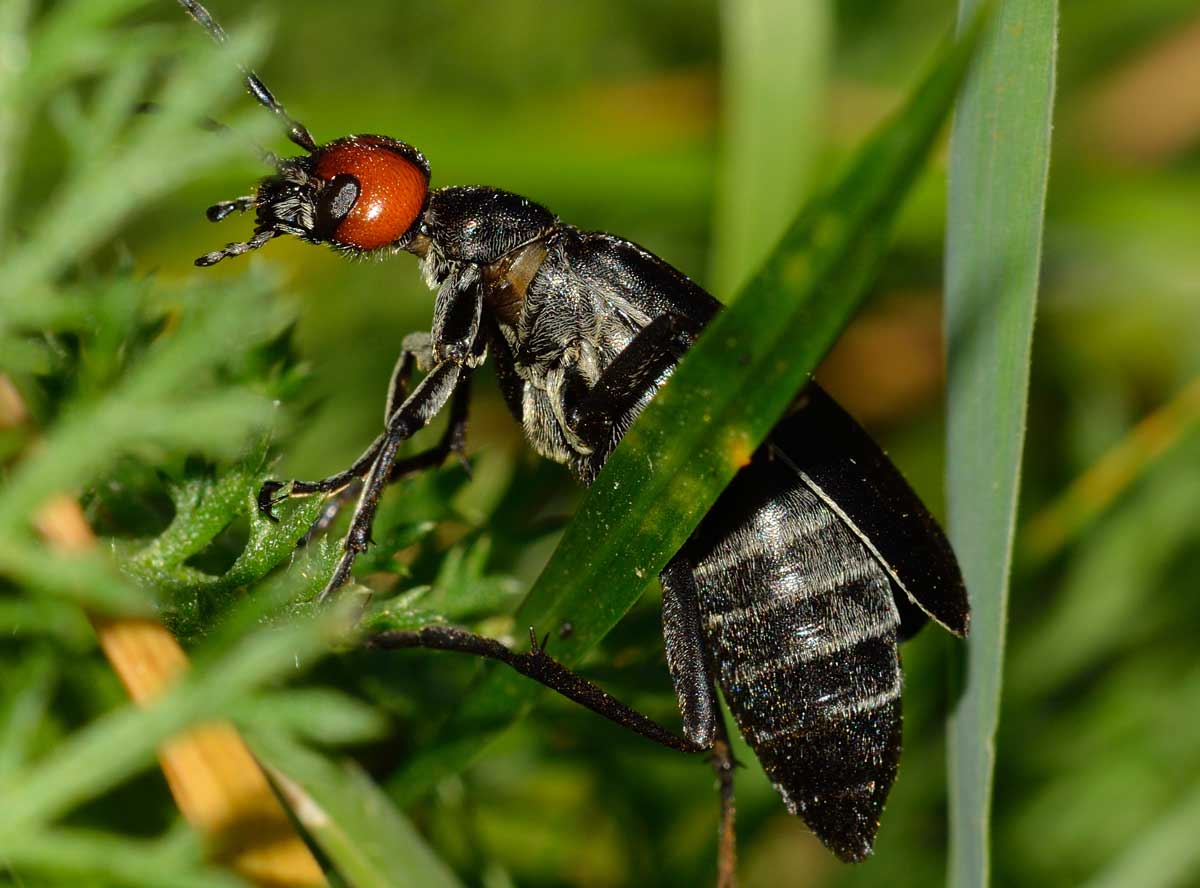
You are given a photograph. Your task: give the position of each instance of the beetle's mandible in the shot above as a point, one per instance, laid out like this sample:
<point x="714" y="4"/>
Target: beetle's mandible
<point x="795" y="590"/>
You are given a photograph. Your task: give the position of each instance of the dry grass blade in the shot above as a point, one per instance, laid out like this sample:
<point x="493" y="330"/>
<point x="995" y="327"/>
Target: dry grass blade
<point x="1057" y="524"/>
<point x="214" y="779"/>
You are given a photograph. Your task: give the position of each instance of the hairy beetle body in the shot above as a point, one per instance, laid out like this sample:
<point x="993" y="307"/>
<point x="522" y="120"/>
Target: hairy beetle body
<point x="795" y="590"/>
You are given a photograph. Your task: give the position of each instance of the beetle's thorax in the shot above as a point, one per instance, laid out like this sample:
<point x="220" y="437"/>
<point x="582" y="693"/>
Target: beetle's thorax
<point x="506" y="281"/>
<point x="560" y="306"/>
<point x="482" y="228"/>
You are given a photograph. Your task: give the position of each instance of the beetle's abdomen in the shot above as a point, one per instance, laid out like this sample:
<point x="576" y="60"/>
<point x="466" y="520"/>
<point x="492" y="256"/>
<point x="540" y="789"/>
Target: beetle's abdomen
<point x="802" y="624"/>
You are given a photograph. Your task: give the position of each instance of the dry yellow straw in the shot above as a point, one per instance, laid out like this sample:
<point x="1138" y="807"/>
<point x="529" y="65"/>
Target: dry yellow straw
<point x="216" y="782"/>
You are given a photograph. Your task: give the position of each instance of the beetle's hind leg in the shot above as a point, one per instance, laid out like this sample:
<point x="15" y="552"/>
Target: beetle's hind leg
<point x="544" y="669"/>
<point x="695" y="690"/>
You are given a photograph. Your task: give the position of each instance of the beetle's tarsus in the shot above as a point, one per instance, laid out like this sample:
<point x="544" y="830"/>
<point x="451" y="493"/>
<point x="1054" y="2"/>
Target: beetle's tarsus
<point x="267" y="499"/>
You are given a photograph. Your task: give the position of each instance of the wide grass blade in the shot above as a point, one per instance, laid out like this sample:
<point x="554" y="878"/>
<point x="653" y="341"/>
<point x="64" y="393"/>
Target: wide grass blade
<point x="1000" y="151"/>
<point x="725" y="396"/>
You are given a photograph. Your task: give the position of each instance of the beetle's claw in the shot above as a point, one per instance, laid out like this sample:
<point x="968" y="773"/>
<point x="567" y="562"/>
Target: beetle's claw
<point x="267" y="499"/>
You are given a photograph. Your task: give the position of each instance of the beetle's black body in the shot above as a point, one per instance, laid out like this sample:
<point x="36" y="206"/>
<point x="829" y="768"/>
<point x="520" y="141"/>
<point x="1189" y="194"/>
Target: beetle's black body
<point x="795" y="590"/>
<point x="798" y="616"/>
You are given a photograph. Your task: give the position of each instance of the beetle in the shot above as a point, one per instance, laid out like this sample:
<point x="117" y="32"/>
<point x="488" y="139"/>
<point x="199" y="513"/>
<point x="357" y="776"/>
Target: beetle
<point x="792" y="594"/>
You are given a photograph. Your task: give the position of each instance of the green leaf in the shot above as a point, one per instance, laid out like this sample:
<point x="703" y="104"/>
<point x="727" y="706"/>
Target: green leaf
<point x="166" y="400"/>
<point x="106" y="186"/>
<point x="354" y="823"/>
<point x="318" y="715"/>
<point x="721" y="402"/>
<point x="203" y="508"/>
<point x="23" y="704"/>
<point x="998" y="171"/>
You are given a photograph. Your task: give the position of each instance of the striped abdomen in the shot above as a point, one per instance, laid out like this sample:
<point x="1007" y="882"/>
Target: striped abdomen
<point x="802" y="627"/>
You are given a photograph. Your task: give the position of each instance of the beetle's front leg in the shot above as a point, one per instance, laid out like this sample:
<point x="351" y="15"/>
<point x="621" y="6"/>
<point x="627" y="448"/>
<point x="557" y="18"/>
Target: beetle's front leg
<point x="457" y="347"/>
<point x="415" y="353"/>
<point x="601" y="415"/>
<point x="457" y="318"/>
<point x="414" y="414"/>
<point x="452" y="442"/>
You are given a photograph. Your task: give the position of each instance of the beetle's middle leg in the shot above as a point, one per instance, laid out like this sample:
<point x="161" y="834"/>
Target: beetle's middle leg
<point x="692" y="673"/>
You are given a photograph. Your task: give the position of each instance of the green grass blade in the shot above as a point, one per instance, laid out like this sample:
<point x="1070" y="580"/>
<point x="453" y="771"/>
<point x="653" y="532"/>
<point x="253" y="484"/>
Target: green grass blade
<point x="370" y="843"/>
<point x="999" y="164"/>
<point x="725" y="396"/>
<point x="774" y="57"/>
<point x="23" y="709"/>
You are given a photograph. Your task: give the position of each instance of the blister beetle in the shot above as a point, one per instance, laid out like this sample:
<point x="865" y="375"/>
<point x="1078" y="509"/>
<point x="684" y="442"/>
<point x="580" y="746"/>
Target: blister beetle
<point x="795" y="590"/>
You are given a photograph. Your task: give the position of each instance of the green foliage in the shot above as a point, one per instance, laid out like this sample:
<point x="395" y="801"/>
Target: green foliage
<point x="123" y="375"/>
<point x="351" y="819"/>
<point x="161" y="397"/>
<point x="775" y="59"/>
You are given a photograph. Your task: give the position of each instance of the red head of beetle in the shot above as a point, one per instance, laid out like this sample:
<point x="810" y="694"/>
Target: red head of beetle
<point x="357" y="194"/>
<point x="372" y="191"/>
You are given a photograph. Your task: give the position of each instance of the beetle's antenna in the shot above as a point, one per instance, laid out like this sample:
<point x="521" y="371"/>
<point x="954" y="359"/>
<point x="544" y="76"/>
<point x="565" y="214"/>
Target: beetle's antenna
<point x="296" y="131"/>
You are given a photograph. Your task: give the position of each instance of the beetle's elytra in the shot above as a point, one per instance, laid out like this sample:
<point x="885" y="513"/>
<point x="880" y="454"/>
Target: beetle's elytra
<point x="796" y="589"/>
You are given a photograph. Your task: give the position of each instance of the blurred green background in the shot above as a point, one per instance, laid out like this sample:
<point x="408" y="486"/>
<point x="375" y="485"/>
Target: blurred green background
<point x="609" y="113"/>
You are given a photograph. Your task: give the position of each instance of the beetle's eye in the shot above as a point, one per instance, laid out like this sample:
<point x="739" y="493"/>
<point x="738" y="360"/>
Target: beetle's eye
<point x="374" y="192"/>
<point x="334" y="204"/>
